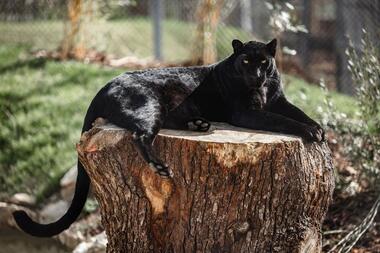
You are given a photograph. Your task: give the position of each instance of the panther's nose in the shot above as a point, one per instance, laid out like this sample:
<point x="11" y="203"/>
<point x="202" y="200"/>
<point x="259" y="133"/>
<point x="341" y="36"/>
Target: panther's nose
<point x="261" y="81"/>
<point x="258" y="73"/>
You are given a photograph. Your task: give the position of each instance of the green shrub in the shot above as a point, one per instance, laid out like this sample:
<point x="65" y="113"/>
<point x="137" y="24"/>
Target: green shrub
<point x="360" y="137"/>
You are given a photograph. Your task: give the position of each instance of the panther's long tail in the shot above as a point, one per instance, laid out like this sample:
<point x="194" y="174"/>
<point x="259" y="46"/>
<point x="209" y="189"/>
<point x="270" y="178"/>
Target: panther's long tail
<point x="46" y="230"/>
<point x="81" y="190"/>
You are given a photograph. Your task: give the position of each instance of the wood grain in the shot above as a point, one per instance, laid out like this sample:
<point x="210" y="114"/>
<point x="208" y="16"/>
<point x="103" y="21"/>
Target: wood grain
<point x="233" y="190"/>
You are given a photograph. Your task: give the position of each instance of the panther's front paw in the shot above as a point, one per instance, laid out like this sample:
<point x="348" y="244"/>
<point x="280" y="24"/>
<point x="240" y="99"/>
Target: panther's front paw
<point x="314" y="133"/>
<point x="198" y="125"/>
<point x="321" y="132"/>
<point x="160" y="169"/>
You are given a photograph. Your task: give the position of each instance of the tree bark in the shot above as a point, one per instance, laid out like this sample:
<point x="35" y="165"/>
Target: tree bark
<point x="233" y="190"/>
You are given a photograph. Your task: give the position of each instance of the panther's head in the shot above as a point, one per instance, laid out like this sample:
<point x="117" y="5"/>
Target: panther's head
<point x="254" y="61"/>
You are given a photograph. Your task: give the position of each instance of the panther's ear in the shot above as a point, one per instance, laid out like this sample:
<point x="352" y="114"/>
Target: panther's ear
<point x="271" y="47"/>
<point x="237" y="45"/>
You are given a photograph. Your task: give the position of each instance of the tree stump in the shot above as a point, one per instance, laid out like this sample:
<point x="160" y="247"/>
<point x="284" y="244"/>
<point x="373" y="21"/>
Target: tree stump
<point x="233" y="190"/>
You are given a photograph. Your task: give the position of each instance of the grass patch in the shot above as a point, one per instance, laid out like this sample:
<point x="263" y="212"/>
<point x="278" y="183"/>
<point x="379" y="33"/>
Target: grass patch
<point x="42" y="105"/>
<point x="41" y="112"/>
<point x="309" y="97"/>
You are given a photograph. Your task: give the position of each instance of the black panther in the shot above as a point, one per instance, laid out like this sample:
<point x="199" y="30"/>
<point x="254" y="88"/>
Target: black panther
<point x="243" y="90"/>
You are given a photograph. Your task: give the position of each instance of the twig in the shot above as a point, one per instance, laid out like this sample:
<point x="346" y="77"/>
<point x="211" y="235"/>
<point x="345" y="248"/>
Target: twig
<point x="331" y="232"/>
<point x="349" y="241"/>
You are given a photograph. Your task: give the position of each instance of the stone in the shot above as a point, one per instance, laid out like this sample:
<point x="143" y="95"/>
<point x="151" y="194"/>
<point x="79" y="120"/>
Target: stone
<point x="70" y="177"/>
<point x="23" y="199"/>
<point x="6" y="217"/>
<point x="67" y="183"/>
<point x="96" y="244"/>
<point x="54" y="211"/>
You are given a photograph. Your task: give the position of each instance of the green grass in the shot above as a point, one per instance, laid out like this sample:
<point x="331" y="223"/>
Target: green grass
<point x="42" y="105"/>
<point x="131" y="36"/>
<point x="41" y="111"/>
<point x="310" y="97"/>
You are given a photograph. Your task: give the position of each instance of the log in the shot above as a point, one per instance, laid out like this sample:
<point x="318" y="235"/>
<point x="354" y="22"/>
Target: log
<point x="232" y="190"/>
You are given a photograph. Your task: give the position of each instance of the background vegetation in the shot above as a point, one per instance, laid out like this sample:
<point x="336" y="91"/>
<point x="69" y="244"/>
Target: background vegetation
<point x="105" y="35"/>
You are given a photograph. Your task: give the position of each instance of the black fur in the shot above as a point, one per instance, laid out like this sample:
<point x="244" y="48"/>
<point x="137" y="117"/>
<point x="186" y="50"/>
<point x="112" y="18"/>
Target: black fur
<point x="243" y="90"/>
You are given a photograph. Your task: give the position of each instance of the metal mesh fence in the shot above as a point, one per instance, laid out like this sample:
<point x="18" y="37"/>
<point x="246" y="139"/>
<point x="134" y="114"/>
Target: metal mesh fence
<point x="167" y="29"/>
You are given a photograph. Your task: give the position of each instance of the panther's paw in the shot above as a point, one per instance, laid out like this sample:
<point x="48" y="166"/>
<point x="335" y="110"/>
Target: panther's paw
<point x="321" y="132"/>
<point x="314" y="134"/>
<point x="160" y="169"/>
<point x="199" y="125"/>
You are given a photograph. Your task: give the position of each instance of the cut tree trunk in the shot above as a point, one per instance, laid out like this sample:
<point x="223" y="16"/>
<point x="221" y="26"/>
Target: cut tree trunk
<point x="233" y="190"/>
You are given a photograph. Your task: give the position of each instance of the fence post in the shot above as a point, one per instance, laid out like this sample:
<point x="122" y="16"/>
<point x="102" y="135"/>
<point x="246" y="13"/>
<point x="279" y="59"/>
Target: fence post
<point x="246" y="15"/>
<point x="157" y="13"/>
<point x="305" y="38"/>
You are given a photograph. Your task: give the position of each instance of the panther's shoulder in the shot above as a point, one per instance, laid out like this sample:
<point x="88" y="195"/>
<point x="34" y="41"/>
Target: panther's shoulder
<point x="189" y="76"/>
<point x="193" y="71"/>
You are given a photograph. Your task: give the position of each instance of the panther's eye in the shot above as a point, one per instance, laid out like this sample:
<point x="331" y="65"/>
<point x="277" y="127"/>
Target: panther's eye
<point x="263" y="61"/>
<point x="245" y="61"/>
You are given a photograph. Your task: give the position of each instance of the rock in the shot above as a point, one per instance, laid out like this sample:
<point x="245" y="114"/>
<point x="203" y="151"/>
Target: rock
<point x="81" y="231"/>
<point x="23" y="199"/>
<point x="71" y="237"/>
<point x="70" y="177"/>
<point x="68" y="183"/>
<point x="96" y="244"/>
<point x="54" y="211"/>
<point x="6" y="210"/>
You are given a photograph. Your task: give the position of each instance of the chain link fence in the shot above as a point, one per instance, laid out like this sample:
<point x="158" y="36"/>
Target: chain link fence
<point x="169" y="30"/>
